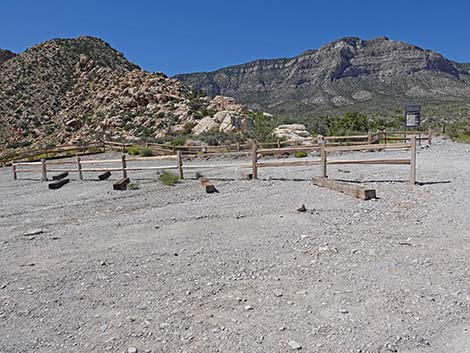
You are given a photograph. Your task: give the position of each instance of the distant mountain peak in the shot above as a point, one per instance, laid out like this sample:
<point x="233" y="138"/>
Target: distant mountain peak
<point x="6" y="55"/>
<point x="349" y="73"/>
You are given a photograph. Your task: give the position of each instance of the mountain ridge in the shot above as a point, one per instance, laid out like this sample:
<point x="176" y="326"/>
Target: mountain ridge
<point x="340" y="76"/>
<point x="79" y="89"/>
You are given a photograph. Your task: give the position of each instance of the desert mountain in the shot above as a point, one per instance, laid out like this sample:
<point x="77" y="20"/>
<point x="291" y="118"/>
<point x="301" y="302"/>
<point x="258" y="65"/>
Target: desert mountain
<point x="5" y="55"/>
<point x="69" y="90"/>
<point x="377" y="75"/>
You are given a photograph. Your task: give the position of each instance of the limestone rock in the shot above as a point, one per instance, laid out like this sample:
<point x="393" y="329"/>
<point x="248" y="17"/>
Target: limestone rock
<point x="293" y="132"/>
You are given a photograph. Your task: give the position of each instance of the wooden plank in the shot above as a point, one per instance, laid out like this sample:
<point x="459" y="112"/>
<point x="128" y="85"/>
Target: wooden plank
<point x="368" y="147"/>
<point x="345" y="188"/>
<point x="347" y="137"/>
<point x="180" y="165"/>
<point x="44" y="171"/>
<point x="323" y="160"/>
<point x="102" y="161"/>
<point x="104" y="176"/>
<point x="207" y="185"/>
<point x="153" y="158"/>
<point x="60" y="176"/>
<point x="289" y="149"/>
<point x="413" y="161"/>
<point x="370" y="161"/>
<point x="216" y="166"/>
<point x="254" y="160"/>
<point x="287" y="164"/>
<point x="58" y="184"/>
<point x="121" y="184"/>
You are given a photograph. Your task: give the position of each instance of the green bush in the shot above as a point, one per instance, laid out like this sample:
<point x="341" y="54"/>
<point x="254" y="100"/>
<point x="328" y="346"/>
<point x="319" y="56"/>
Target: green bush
<point x="300" y="154"/>
<point x="459" y="132"/>
<point x="262" y="128"/>
<point x="146" y="152"/>
<point x="139" y="150"/>
<point x="214" y="137"/>
<point x="133" y="186"/>
<point x="168" y="179"/>
<point x="133" y="150"/>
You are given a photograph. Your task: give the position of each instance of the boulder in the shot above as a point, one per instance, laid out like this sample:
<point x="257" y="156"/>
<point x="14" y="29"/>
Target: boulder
<point x="293" y="132"/>
<point x="231" y="121"/>
<point x="205" y="124"/>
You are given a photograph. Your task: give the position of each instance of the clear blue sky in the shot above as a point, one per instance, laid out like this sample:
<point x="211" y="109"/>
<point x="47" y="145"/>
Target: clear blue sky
<point x="176" y="36"/>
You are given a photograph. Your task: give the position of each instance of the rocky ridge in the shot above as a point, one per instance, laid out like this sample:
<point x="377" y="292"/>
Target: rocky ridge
<point x="72" y="90"/>
<point x="6" y="55"/>
<point x="366" y="75"/>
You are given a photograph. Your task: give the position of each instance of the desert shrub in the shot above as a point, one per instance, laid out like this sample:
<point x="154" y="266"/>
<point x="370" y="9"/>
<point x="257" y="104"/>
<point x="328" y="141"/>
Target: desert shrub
<point x="133" y="186"/>
<point x="179" y="140"/>
<point x="300" y="154"/>
<point x="18" y="144"/>
<point x="262" y="128"/>
<point x="168" y="178"/>
<point x="133" y="150"/>
<point x="139" y="150"/>
<point x="214" y="137"/>
<point x="459" y="132"/>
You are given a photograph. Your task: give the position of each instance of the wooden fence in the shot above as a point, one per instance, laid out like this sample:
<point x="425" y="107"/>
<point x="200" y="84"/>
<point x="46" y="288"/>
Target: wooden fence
<point x="124" y="164"/>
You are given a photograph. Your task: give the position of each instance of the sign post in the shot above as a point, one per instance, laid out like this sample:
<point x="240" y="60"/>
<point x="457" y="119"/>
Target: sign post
<point x="413" y="116"/>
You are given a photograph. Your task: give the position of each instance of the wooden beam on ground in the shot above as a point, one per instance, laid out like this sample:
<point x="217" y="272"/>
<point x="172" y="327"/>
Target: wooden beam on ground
<point x="121" y="184"/>
<point x="60" y="176"/>
<point x="359" y="192"/>
<point x="207" y="185"/>
<point x="58" y="184"/>
<point x="104" y="176"/>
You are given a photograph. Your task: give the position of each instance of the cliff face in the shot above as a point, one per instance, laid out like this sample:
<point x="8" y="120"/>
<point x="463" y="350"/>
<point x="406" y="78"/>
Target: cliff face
<point x="69" y="90"/>
<point x="350" y="73"/>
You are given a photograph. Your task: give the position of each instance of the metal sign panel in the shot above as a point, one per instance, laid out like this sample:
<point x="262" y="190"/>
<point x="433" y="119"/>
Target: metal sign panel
<point x="412" y="115"/>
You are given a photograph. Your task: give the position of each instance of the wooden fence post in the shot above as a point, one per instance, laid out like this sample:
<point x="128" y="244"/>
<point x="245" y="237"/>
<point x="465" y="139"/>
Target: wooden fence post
<point x="43" y="170"/>
<point x="385" y="136"/>
<point x="323" y="172"/>
<point x="369" y="138"/>
<point x="124" y="166"/>
<point x="254" y="162"/>
<point x="238" y="146"/>
<point x="13" y="168"/>
<point x="278" y="143"/>
<point x="180" y="164"/>
<point x="413" y="161"/>
<point x="430" y="136"/>
<point x="123" y="148"/>
<point x="79" y="168"/>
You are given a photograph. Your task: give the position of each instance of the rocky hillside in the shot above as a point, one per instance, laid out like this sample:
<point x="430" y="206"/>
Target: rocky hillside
<point x="69" y="90"/>
<point x="376" y="75"/>
<point x="5" y="55"/>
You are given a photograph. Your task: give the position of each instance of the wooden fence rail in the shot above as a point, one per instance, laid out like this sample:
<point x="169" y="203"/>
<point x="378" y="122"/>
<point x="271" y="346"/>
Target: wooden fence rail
<point x="122" y="165"/>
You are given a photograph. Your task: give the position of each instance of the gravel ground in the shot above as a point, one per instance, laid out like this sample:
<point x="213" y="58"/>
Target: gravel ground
<point x="172" y="269"/>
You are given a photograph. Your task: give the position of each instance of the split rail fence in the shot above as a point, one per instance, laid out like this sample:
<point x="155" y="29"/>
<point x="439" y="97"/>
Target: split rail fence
<point x="124" y="164"/>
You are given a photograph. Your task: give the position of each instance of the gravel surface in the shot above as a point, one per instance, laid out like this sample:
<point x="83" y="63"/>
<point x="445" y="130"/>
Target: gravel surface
<point x="172" y="269"/>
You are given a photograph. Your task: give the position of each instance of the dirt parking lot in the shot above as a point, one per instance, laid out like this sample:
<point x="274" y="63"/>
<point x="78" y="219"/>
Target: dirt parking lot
<point x="172" y="269"/>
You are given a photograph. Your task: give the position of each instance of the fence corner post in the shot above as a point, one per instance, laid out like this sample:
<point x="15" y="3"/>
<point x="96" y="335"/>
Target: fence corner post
<point x="180" y="164"/>
<point x="369" y="138"/>
<point x="413" y="161"/>
<point x="79" y="168"/>
<point x="43" y="170"/>
<point x="124" y="166"/>
<point x="13" y="168"/>
<point x="323" y="172"/>
<point x="254" y="161"/>
<point x="430" y="137"/>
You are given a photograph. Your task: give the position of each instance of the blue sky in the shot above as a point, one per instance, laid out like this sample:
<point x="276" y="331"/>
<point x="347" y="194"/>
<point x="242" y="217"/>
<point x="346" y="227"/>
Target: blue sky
<point x="177" y="36"/>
